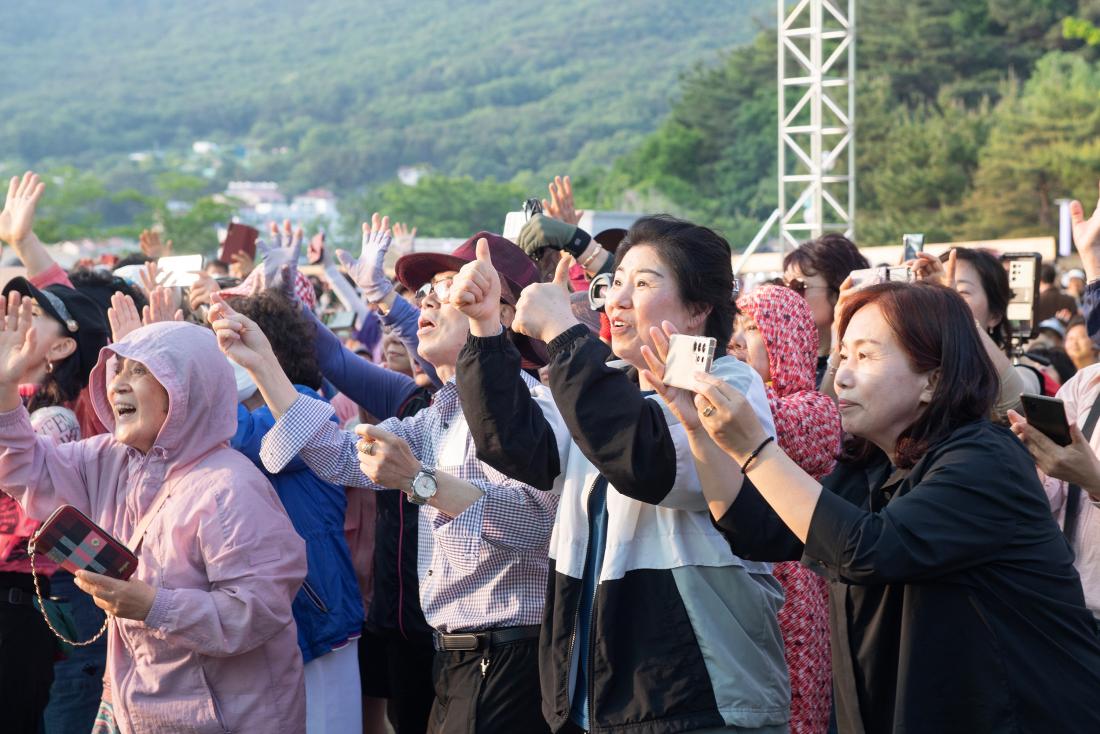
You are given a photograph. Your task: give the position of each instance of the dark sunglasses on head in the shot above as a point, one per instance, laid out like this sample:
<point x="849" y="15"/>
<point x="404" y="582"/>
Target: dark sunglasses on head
<point x="797" y="285"/>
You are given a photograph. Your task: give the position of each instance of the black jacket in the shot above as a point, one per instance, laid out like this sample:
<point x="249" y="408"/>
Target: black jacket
<point x="656" y="626"/>
<point x="954" y="603"/>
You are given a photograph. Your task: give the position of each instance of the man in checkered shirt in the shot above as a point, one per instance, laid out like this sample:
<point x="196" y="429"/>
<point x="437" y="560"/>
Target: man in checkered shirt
<point x="483" y="542"/>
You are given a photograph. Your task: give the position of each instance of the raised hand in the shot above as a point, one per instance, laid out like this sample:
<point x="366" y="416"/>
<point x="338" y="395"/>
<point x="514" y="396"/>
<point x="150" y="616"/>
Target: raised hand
<point x="151" y="245"/>
<point x="1086" y="238"/>
<point x="844" y="293"/>
<point x="727" y="417"/>
<point x="403" y="237"/>
<point x="17" y="218"/>
<point x="18" y="339"/>
<point x="475" y="292"/>
<point x="163" y="306"/>
<point x="123" y="316"/>
<point x="541" y="232"/>
<point x="368" y="271"/>
<point x="279" y="260"/>
<point x="1076" y="463"/>
<point x="241" y="264"/>
<point x="319" y="253"/>
<point x="927" y="267"/>
<point x="386" y="458"/>
<point x="543" y="311"/>
<point x="561" y="205"/>
<point x="240" y="338"/>
<point x="201" y="290"/>
<point x="679" y="401"/>
<point x="151" y="277"/>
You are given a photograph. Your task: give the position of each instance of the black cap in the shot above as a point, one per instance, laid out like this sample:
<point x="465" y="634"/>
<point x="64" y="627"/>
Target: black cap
<point x="79" y="316"/>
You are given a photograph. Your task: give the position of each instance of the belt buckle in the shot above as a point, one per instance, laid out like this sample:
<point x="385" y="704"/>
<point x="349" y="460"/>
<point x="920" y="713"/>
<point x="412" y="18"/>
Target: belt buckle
<point x="462" y="642"/>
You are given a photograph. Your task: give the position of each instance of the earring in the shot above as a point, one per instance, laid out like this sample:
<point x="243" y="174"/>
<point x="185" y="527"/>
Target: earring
<point x="49" y="367"/>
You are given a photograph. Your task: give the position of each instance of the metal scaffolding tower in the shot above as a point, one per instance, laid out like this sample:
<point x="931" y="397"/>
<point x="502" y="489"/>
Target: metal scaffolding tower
<point x="817" y="106"/>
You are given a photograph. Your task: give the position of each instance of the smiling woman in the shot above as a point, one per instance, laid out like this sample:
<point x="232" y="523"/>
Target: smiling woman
<point x="219" y="562"/>
<point x="140" y="404"/>
<point x="951" y="566"/>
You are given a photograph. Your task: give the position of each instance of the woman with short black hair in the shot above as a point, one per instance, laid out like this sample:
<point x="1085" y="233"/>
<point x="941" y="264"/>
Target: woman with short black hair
<point x="815" y="270"/>
<point x="651" y="623"/>
<point x="955" y="604"/>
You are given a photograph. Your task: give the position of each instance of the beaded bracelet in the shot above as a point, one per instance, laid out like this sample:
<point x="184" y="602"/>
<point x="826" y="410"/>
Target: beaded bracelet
<point x="754" y="454"/>
<point x="588" y="260"/>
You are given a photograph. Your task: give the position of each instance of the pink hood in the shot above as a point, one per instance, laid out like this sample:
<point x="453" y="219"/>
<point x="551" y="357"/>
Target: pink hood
<point x="218" y="649"/>
<point x="202" y="391"/>
<point x="807" y="422"/>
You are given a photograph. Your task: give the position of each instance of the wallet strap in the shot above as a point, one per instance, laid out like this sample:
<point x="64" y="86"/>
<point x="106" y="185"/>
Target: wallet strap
<point x="45" y="614"/>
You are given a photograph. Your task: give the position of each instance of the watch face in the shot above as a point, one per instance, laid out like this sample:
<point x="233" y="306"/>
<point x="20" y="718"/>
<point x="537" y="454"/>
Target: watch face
<point x="424" y="485"/>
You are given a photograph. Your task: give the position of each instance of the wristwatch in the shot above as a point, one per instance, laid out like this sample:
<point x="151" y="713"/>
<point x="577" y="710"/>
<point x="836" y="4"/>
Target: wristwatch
<point x="423" y="486"/>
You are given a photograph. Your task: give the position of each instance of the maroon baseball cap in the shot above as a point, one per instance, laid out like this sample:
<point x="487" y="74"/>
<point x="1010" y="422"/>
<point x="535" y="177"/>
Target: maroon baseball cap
<point x="516" y="270"/>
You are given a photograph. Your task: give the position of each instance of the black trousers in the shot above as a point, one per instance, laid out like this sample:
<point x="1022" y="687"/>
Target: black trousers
<point x="27" y="651"/>
<point x="399" y="670"/>
<point x="505" y="698"/>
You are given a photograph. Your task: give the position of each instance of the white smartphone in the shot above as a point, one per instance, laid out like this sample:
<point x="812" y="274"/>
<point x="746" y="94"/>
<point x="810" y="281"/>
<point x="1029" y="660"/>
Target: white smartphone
<point x="686" y="356"/>
<point x="182" y="270"/>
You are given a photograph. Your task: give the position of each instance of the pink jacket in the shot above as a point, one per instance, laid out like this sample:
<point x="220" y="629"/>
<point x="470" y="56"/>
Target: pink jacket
<point x="218" y="650"/>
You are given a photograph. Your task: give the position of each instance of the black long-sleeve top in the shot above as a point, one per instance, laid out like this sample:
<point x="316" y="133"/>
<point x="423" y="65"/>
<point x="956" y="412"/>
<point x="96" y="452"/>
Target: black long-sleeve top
<point x="954" y="604"/>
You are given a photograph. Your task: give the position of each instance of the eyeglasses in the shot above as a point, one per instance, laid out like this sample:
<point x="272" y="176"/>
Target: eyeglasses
<point x="441" y="288"/>
<point x="799" y="286"/>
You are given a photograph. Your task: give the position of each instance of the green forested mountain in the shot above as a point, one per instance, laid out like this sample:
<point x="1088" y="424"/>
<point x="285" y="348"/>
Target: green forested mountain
<point x="340" y="93"/>
<point x="972" y="117"/>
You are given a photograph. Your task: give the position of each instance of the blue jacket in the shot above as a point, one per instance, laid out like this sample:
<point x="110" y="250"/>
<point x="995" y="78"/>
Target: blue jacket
<point x="329" y="608"/>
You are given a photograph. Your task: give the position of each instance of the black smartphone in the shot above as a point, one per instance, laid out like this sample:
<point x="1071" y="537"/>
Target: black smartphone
<point x="1049" y="416"/>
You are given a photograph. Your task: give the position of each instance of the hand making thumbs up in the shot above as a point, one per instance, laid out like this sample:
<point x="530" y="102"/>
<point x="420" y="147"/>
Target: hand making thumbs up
<point x="475" y="292"/>
<point x="543" y="311"/>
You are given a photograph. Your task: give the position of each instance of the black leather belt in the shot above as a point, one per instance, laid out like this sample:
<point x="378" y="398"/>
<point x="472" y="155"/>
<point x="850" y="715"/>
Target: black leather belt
<point x="470" y="641"/>
<point x="17" y="597"/>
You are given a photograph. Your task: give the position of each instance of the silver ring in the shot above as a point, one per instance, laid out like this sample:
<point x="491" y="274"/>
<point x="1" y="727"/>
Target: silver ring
<point x="708" y="411"/>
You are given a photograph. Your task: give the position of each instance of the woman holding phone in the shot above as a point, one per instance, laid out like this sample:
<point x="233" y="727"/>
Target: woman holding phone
<point x="955" y="603"/>
<point x="651" y="622"/>
<point x="201" y="637"/>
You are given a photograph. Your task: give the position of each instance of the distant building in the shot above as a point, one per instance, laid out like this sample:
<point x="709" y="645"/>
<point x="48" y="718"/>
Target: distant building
<point x="411" y="175"/>
<point x="255" y="193"/>
<point x="315" y="204"/>
<point x="204" y="147"/>
<point x="263" y="203"/>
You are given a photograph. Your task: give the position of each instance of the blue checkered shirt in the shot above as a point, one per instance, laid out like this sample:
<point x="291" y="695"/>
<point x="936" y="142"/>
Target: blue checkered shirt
<point x="485" y="568"/>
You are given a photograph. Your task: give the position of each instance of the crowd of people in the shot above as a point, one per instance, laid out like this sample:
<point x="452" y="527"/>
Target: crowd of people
<point x="488" y="505"/>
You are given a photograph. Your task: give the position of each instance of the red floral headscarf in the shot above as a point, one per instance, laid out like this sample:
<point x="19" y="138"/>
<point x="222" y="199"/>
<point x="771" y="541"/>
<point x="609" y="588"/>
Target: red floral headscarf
<point x="807" y="422"/>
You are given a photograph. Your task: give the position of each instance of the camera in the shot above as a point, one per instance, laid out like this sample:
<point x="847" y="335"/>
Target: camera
<point x="881" y="274"/>
<point x="531" y="207"/>
<point x="597" y="291"/>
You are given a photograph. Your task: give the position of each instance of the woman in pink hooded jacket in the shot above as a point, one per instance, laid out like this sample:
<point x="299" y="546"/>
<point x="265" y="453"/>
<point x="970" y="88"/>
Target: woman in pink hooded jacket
<point x="777" y="337"/>
<point x="201" y="638"/>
